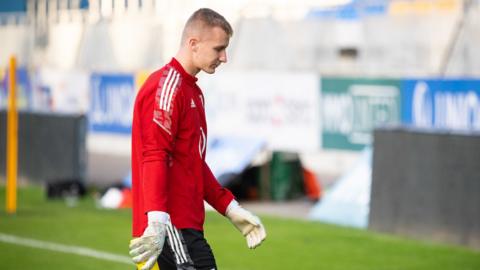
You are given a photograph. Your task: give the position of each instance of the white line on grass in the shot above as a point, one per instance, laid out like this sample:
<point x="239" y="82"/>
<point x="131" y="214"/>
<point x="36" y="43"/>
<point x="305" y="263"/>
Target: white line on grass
<point x="77" y="250"/>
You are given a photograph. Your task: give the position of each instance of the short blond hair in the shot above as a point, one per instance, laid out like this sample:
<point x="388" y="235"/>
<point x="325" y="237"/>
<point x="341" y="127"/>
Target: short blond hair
<point x="206" y="17"/>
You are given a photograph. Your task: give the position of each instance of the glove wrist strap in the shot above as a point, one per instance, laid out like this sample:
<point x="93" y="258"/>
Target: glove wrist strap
<point x="158" y="216"/>
<point x="232" y="206"/>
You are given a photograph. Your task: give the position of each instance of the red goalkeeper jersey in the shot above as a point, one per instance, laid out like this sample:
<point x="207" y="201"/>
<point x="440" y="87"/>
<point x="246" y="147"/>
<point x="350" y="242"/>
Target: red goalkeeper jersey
<point x="169" y="138"/>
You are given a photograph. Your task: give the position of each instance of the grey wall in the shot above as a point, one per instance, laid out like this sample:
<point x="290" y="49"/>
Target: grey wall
<point x="427" y="186"/>
<point x="50" y="147"/>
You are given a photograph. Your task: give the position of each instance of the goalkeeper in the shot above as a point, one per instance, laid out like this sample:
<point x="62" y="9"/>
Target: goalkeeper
<point x="169" y="175"/>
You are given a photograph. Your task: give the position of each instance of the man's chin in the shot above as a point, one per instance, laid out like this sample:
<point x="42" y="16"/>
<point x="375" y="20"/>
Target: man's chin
<point x="209" y="71"/>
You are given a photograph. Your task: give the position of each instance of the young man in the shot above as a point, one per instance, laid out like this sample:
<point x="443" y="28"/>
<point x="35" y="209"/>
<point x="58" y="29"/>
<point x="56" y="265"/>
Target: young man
<point x="169" y="175"/>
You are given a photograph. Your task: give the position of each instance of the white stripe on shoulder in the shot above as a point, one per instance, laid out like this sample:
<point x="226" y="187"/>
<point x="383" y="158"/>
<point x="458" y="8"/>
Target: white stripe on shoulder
<point x="164" y="86"/>
<point x="170" y="88"/>
<point x="169" y="103"/>
<point x="167" y="91"/>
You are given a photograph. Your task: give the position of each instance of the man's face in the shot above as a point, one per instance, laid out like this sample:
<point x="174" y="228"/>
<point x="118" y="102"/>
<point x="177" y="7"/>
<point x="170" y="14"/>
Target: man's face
<point x="211" y="51"/>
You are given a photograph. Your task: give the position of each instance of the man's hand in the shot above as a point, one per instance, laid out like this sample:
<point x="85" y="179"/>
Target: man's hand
<point x="148" y="247"/>
<point x="248" y="224"/>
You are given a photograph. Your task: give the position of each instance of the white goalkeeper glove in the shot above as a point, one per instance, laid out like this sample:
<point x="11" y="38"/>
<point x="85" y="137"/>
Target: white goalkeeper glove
<point x="147" y="248"/>
<point x="248" y="224"/>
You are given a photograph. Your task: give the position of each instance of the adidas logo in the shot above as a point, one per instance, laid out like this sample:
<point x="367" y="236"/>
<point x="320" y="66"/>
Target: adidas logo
<point x="193" y="104"/>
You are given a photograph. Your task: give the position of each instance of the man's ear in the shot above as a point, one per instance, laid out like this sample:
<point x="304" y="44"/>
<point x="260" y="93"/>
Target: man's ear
<point x="193" y="44"/>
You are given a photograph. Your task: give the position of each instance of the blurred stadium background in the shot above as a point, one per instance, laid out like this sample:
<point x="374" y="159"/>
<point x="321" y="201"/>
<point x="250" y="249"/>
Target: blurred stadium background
<point x="363" y="114"/>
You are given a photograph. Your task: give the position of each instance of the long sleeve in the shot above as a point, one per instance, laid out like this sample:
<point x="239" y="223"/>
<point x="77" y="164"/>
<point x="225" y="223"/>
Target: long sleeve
<point x="216" y="195"/>
<point x="159" y="127"/>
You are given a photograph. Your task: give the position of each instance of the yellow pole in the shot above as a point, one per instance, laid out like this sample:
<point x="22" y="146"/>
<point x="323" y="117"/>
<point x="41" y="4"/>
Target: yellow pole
<point x="12" y="140"/>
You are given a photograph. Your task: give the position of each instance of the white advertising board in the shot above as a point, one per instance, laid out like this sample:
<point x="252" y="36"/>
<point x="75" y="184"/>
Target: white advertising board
<point x="280" y="107"/>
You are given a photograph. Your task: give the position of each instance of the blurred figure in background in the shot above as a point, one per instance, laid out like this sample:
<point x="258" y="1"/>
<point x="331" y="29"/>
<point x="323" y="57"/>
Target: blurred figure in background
<point x="170" y="177"/>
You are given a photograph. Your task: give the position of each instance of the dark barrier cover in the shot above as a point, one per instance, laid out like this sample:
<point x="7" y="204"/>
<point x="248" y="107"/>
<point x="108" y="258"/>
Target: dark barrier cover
<point x="51" y="147"/>
<point x="426" y="185"/>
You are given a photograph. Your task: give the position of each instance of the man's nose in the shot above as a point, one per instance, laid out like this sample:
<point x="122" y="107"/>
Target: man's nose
<point x="223" y="57"/>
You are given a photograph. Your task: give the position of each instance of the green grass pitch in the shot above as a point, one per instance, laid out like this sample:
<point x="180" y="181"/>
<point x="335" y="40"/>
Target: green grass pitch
<point x="290" y="244"/>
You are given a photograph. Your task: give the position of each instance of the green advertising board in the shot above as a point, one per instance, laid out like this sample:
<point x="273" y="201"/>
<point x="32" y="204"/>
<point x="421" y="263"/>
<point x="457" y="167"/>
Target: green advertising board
<point x="352" y="108"/>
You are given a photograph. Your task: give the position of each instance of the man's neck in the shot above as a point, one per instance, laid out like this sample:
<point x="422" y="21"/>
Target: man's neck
<point x="186" y="63"/>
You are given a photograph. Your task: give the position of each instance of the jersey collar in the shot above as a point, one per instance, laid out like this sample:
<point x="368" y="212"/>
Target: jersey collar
<point x="191" y="79"/>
